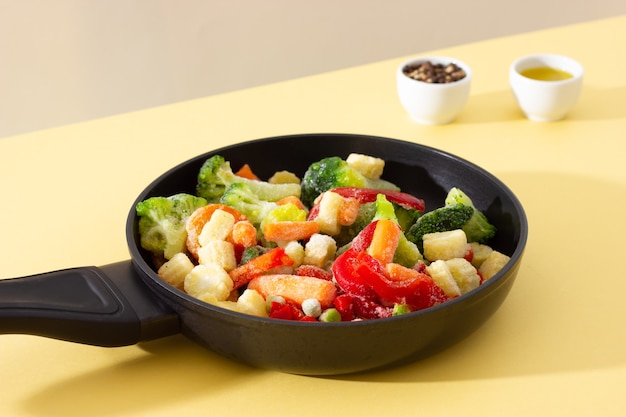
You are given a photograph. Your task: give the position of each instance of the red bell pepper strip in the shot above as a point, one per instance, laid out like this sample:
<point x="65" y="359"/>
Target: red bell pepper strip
<point x="363" y="240"/>
<point x="345" y="306"/>
<point x="281" y="311"/>
<point x="360" y="275"/>
<point x="344" y="267"/>
<point x="368" y="195"/>
<point x="345" y="273"/>
<point x="367" y="309"/>
<point x="285" y="311"/>
<point x="418" y="293"/>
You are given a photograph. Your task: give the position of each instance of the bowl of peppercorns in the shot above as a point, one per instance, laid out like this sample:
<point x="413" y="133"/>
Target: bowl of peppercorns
<point x="433" y="89"/>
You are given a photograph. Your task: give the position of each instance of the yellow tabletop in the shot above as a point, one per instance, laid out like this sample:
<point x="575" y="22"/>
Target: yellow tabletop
<point x="557" y="346"/>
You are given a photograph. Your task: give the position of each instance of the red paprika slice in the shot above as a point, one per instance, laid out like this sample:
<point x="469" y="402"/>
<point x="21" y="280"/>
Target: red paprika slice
<point x="367" y="309"/>
<point x="363" y="240"/>
<point x="368" y="195"/>
<point x="364" y="277"/>
<point x="285" y="311"/>
<point x="345" y="306"/>
<point x="418" y="293"/>
<point x="281" y="311"/>
<point x="345" y="273"/>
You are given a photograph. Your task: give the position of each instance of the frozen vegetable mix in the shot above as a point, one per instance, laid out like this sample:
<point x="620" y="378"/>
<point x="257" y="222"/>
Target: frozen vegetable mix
<point x="340" y="243"/>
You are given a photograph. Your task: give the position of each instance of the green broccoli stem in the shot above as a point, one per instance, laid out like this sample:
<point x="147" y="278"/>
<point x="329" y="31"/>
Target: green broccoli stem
<point x="216" y="175"/>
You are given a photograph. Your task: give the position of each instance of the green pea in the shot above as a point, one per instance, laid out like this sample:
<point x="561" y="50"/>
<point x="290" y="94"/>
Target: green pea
<point x="330" y="315"/>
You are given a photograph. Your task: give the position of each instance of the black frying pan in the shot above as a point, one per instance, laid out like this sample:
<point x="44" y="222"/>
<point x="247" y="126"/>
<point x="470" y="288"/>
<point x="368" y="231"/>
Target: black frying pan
<point x="125" y="303"/>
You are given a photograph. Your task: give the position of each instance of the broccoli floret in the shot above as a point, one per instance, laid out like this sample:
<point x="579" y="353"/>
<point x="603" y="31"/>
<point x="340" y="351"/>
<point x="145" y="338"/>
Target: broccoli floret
<point x="384" y="209"/>
<point x="407" y="253"/>
<point x="458" y="212"/>
<point x="477" y="228"/>
<point x="162" y="222"/>
<point x="333" y="172"/>
<point x="240" y="196"/>
<point x="406" y="217"/>
<point x="442" y="219"/>
<point x="252" y="252"/>
<point x="216" y="175"/>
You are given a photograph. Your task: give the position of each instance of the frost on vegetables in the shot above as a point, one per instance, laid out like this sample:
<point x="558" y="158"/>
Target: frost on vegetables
<point x="340" y="244"/>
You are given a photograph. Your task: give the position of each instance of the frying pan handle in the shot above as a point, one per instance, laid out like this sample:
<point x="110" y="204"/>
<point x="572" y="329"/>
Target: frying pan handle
<point x="103" y="306"/>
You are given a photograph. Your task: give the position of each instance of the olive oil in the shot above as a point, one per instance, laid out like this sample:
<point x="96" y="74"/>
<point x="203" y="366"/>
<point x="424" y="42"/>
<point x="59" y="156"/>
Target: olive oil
<point x="546" y="74"/>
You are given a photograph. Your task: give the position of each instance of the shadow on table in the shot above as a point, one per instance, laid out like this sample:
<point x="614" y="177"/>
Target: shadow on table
<point x="500" y="106"/>
<point x="566" y="309"/>
<point x="165" y="372"/>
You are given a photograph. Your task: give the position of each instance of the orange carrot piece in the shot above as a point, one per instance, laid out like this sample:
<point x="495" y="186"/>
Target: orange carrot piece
<point x="199" y="218"/>
<point x="295" y="288"/>
<point x="384" y="241"/>
<point x="244" y="234"/>
<point x="292" y="199"/>
<point x="348" y="211"/>
<point x="246" y="172"/>
<point x="243" y="274"/>
<point x="288" y="231"/>
<point x="397" y="272"/>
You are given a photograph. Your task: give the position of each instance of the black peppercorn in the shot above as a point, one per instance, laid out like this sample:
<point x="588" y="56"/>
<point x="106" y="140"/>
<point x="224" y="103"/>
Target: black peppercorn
<point x="434" y="73"/>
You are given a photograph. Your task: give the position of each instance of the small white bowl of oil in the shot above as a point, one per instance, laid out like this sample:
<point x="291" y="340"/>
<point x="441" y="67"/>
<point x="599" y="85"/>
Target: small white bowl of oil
<point x="546" y="86"/>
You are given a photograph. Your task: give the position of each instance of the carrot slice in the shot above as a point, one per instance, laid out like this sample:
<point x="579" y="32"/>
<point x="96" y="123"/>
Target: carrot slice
<point x="384" y="241"/>
<point x="295" y="288"/>
<point x="246" y="172"/>
<point x="259" y="265"/>
<point x="292" y="199"/>
<point x="397" y="272"/>
<point x="288" y="231"/>
<point x="348" y="211"/>
<point x="243" y="234"/>
<point x="199" y="218"/>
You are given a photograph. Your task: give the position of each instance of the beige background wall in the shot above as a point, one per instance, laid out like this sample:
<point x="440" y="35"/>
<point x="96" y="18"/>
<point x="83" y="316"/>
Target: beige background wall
<point x="63" y="61"/>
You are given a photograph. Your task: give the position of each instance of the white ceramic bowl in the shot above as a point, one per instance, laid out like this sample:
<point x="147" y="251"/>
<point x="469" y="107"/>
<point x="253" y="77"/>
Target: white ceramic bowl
<point x="433" y="103"/>
<point x="546" y="101"/>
